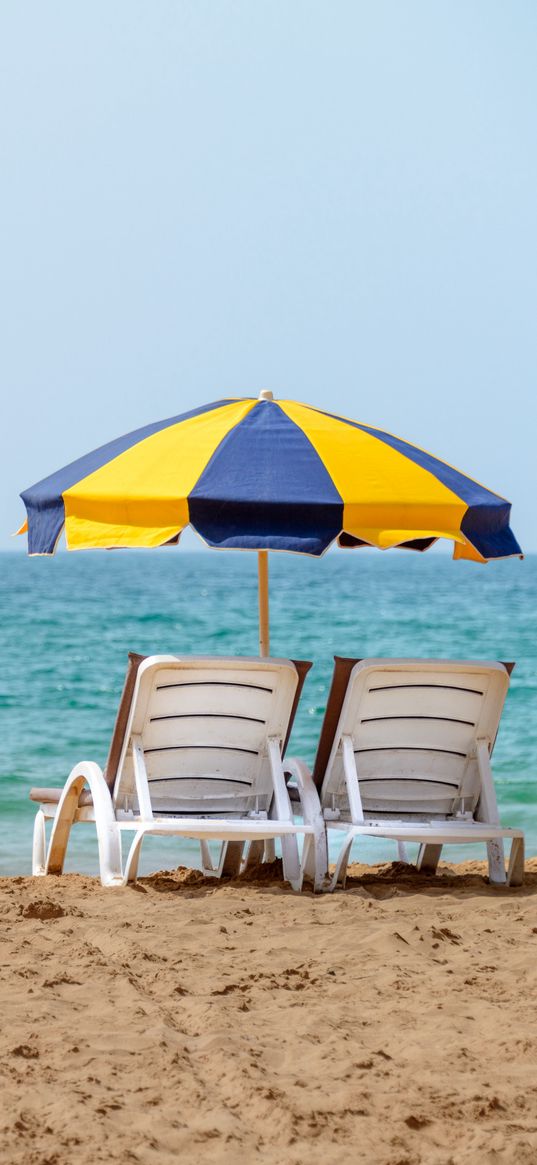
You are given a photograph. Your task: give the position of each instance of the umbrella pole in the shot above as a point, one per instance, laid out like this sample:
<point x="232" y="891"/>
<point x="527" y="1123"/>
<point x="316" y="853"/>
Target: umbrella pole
<point x="262" y="572"/>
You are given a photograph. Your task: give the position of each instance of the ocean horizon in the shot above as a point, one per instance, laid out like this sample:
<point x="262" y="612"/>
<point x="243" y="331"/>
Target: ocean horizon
<point x="68" y="623"/>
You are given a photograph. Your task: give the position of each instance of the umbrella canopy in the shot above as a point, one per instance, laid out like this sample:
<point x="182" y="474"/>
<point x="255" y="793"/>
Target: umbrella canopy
<point x="259" y="474"/>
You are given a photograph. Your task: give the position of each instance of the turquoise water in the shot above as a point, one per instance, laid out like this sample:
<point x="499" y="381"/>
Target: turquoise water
<point x="68" y="622"/>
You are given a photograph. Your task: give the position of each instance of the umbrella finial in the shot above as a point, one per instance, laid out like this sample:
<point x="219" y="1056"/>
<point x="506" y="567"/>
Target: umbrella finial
<point x="265" y="394"/>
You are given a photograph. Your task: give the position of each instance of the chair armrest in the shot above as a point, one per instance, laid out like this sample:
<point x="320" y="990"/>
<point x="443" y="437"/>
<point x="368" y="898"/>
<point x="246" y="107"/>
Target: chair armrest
<point x="50" y="796"/>
<point x="316" y="862"/>
<point x="305" y="793"/>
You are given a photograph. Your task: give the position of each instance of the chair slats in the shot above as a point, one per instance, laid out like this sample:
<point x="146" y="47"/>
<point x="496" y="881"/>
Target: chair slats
<point x="224" y="732"/>
<point x="204" y="726"/>
<point x="414" y="726"/>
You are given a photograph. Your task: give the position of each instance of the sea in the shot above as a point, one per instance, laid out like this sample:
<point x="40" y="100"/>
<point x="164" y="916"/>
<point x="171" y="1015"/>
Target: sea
<point x="68" y="622"/>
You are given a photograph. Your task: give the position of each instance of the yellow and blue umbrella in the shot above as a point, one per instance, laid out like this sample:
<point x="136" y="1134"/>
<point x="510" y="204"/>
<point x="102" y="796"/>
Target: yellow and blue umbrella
<point x="259" y="474"/>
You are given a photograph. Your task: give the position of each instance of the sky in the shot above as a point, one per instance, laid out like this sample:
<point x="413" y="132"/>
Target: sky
<point x="335" y="200"/>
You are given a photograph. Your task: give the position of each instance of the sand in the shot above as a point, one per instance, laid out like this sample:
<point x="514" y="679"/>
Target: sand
<point x="394" y="1023"/>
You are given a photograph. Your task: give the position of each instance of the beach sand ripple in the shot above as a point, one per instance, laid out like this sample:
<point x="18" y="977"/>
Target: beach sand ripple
<point x="187" y="1020"/>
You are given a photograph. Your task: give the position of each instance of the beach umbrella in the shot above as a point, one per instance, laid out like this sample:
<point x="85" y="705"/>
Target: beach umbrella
<point x="260" y="474"/>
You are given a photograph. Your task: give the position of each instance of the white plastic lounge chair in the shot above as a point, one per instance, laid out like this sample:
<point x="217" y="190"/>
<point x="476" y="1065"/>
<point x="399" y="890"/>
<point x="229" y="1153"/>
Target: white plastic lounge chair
<point x="405" y="754"/>
<point x="196" y="752"/>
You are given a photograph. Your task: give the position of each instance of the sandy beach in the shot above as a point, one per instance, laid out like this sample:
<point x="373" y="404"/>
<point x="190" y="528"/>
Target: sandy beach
<point x="393" y="1023"/>
<point x="268" y="582"/>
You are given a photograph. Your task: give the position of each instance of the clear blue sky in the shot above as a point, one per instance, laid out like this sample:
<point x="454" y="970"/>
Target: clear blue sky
<point x="333" y="200"/>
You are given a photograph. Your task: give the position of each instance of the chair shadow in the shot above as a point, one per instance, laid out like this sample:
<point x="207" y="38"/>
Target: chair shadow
<point x="379" y="881"/>
<point x="383" y="881"/>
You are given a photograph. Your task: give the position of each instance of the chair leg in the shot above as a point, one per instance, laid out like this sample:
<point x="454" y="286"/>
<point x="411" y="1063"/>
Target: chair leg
<point x="206" y="860"/>
<point x="254" y="855"/>
<point x="39" y="851"/>
<point x="270" y="850"/>
<point x="315" y="859"/>
<point x="230" y="862"/>
<point x="308" y="857"/>
<point x="402" y="852"/>
<point x="515" y="873"/>
<point x="131" y="865"/>
<point x="292" y="870"/>
<point x="110" y="860"/>
<point x="340" y="872"/>
<point x="496" y="860"/>
<point x="428" y="858"/>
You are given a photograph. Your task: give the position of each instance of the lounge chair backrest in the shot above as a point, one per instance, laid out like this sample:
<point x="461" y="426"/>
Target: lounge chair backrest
<point x="414" y="726"/>
<point x="203" y="725"/>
